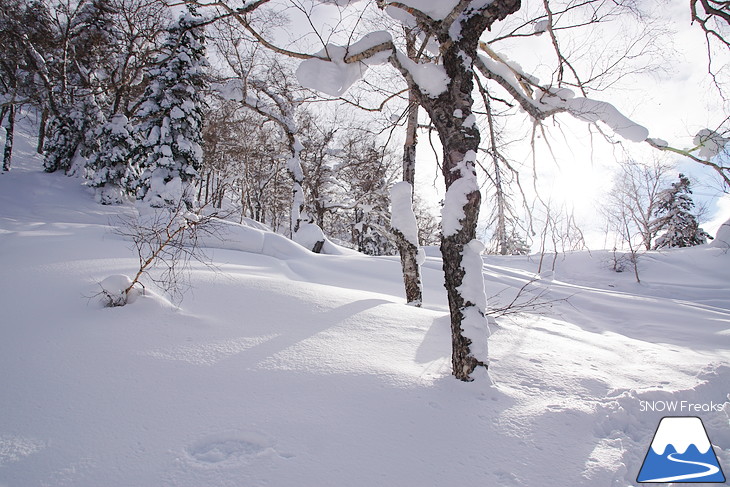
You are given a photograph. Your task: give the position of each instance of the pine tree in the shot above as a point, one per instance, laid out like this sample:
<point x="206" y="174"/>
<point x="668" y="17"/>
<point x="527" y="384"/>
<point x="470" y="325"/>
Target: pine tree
<point x="172" y="117"/>
<point x="110" y="169"/>
<point x="674" y="213"/>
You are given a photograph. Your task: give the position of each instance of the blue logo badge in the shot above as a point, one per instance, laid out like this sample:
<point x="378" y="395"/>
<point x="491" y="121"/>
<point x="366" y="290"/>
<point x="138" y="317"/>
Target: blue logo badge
<point x="680" y="452"/>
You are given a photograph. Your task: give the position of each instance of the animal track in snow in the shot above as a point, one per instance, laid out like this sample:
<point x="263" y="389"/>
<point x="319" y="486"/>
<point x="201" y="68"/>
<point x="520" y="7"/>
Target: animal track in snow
<point x="224" y="450"/>
<point x="231" y="450"/>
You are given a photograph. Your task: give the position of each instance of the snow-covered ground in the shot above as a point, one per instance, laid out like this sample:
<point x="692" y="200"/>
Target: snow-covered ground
<point x="284" y="368"/>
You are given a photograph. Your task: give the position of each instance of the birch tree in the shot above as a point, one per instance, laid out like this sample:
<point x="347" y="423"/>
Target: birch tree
<point x="454" y="33"/>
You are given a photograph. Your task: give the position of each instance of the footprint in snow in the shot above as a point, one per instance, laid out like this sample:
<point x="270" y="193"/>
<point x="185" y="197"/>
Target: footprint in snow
<point x="235" y="450"/>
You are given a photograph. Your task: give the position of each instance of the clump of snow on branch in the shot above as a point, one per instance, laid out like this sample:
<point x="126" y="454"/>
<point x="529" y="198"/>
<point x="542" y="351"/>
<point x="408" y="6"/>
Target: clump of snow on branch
<point x="474" y="324"/>
<point x="590" y="110"/>
<point x="457" y="196"/>
<point x="431" y="78"/>
<point x="658" y="142"/>
<point x="402" y="217"/>
<point x="563" y="99"/>
<point x="437" y="10"/>
<point x="710" y="142"/>
<point x="330" y="74"/>
<point x="541" y="26"/>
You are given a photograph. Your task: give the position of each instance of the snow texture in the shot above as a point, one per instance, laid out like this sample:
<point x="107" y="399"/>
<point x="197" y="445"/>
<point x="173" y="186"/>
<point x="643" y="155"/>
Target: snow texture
<point x="658" y="142"/>
<point x="402" y="217"/>
<point x="582" y="108"/>
<point x="172" y="117"/>
<point x="722" y="239"/>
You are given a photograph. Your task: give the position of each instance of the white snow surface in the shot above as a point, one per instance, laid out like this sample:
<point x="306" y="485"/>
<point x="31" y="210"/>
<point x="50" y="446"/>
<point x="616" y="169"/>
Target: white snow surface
<point x="287" y="368"/>
<point x="585" y="109"/>
<point x="308" y="235"/>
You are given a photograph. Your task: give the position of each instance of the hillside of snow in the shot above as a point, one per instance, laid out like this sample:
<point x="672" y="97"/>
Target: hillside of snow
<point x="285" y="368"/>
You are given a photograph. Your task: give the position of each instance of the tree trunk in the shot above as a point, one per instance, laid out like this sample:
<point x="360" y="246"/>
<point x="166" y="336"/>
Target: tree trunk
<point x="9" y="135"/>
<point x="411" y="270"/>
<point x="294" y="167"/>
<point x="42" y="131"/>
<point x="451" y="114"/>
<point x="408" y="251"/>
<point x="460" y="145"/>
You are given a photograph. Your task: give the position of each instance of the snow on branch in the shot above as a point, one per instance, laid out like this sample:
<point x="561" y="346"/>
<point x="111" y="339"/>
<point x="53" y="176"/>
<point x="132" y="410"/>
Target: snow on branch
<point x="335" y="68"/>
<point x="542" y="102"/>
<point x="592" y="111"/>
<point x="426" y="11"/>
<point x="431" y="79"/>
<point x="709" y="143"/>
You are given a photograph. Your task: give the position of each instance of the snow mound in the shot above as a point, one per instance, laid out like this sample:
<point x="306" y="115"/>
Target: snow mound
<point x="722" y="239"/>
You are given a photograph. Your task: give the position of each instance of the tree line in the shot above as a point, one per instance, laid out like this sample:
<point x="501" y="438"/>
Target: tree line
<point x="127" y="99"/>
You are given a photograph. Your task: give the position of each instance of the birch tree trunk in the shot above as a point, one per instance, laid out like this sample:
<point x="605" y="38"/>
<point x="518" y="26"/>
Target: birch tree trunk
<point x="408" y="251"/>
<point x="9" y="135"/>
<point x="451" y="114"/>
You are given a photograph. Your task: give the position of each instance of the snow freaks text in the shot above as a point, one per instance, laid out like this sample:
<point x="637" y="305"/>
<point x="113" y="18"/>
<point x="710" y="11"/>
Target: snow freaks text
<point x="681" y="406"/>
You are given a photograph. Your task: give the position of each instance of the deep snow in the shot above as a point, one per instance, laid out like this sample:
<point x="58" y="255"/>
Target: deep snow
<point x="285" y="368"/>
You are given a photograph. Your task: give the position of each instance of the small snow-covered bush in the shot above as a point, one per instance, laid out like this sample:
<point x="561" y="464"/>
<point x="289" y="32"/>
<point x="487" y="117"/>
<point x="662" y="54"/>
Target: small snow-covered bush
<point x="117" y="290"/>
<point x="165" y="240"/>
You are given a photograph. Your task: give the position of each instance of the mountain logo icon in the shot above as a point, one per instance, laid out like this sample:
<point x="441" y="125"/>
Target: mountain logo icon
<point x="680" y="452"/>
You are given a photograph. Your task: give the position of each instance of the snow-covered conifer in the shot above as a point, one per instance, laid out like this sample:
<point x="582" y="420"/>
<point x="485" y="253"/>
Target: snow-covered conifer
<point x="72" y="133"/>
<point x="172" y="116"/>
<point x="111" y="170"/>
<point x="674" y="213"/>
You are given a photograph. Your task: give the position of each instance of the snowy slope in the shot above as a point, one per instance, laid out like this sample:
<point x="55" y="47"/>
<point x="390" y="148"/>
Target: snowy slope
<point x="291" y="369"/>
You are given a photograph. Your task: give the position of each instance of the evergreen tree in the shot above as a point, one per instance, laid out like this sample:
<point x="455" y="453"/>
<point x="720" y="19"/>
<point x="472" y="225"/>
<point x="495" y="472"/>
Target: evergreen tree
<point x="72" y="133"/>
<point x="110" y="169"/>
<point x="515" y="244"/>
<point x="172" y="117"/>
<point x="674" y="213"/>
